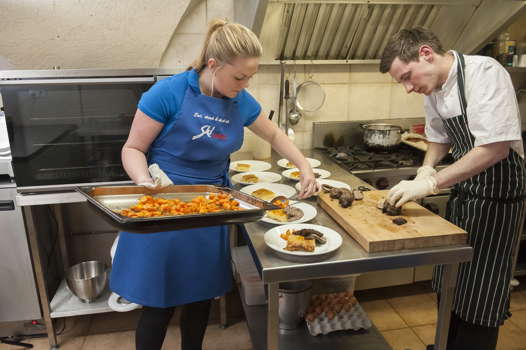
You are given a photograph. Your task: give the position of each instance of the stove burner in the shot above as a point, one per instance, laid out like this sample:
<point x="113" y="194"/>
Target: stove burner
<point x="358" y="157"/>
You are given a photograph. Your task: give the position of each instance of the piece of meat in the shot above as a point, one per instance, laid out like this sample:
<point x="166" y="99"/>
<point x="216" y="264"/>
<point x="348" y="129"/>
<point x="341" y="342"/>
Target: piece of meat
<point x="308" y="231"/>
<point x="358" y="195"/>
<point x="293" y="213"/>
<point x="399" y="221"/>
<point x="391" y="209"/>
<point x="318" y="239"/>
<point x="346" y="198"/>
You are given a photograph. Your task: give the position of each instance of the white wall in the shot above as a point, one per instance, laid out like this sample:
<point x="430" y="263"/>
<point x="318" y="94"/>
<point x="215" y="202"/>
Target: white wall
<point x="40" y="34"/>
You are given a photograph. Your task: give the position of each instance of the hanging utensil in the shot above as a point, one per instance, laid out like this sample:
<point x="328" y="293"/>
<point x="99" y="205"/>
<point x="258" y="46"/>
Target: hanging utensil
<point x="309" y="96"/>
<point x="294" y="114"/>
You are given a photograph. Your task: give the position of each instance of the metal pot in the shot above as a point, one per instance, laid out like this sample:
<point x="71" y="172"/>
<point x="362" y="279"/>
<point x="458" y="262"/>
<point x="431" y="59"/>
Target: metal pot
<point x="382" y="136"/>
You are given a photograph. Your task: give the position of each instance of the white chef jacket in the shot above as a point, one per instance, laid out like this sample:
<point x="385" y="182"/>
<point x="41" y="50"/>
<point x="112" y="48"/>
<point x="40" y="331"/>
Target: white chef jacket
<point x="493" y="112"/>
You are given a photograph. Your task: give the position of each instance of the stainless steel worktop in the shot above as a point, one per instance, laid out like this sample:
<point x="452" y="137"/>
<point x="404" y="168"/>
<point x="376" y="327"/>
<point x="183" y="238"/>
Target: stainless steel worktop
<point x="351" y="257"/>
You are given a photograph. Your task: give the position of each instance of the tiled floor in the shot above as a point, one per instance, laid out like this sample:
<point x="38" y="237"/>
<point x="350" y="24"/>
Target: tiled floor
<point x="406" y="316"/>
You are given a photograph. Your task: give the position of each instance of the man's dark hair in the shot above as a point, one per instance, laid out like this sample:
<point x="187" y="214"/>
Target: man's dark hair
<point x="405" y="45"/>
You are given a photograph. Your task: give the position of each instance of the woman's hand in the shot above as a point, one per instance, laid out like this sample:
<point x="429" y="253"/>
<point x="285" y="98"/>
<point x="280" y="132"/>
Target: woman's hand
<point x="308" y="183"/>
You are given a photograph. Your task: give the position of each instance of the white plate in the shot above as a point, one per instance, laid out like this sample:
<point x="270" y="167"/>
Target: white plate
<point x="278" y="189"/>
<point x="309" y="213"/>
<point x="284" y="163"/>
<point x="263" y="176"/>
<point x="322" y="173"/>
<point x="332" y="183"/>
<point x="255" y="165"/>
<point x="275" y="242"/>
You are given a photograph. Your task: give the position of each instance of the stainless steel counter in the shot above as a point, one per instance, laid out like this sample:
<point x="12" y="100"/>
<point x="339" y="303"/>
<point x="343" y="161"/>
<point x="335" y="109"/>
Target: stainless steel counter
<point x="349" y="259"/>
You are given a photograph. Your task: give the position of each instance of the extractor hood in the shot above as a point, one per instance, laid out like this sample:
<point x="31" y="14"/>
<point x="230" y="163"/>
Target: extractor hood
<point x="320" y="31"/>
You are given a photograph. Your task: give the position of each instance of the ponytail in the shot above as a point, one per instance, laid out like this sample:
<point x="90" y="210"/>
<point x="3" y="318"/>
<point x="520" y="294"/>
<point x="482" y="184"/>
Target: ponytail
<point x="225" y="41"/>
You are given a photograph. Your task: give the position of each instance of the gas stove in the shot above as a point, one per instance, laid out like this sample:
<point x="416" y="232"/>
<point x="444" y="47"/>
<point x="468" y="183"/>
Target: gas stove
<point x="380" y="169"/>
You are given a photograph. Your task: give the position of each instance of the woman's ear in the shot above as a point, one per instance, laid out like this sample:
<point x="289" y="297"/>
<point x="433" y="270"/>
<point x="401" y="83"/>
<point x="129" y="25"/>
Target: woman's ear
<point x="211" y="63"/>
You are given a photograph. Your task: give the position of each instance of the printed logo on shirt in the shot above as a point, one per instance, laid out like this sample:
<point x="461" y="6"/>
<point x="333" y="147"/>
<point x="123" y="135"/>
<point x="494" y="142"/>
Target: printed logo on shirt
<point x="208" y="130"/>
<point x="211" y="118"/>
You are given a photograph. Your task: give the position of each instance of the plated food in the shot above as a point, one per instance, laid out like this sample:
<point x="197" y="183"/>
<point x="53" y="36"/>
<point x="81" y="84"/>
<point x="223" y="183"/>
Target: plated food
<point x="303" y="239"/>
<point x="285" y="163"/>
<point x="308" y="211"/>
<point x="268" y="191"/>
<point x="149" y="206"/>
<point x="285" y="213"/>
<point x="249" y="165"/>
<point x="294" y="173"/>
<point x="255" y="177"/>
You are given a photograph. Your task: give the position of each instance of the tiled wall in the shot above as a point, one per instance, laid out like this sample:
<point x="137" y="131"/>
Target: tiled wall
<point x="354" y="92"/>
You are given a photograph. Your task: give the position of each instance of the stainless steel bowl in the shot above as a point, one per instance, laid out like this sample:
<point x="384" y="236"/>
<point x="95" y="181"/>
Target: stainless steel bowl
<point x="87" y="280"/>
<point x="294" y="299"/>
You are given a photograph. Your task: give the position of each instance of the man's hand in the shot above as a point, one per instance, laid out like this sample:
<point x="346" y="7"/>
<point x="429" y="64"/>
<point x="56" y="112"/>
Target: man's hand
<point x="407" y="191"/>
<point x="425" y="171"/>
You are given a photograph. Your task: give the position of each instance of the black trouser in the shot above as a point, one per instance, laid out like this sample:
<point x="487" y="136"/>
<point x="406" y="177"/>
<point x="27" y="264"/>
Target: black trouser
<point x="464" y="335"/>
<point x="153" y="323"/>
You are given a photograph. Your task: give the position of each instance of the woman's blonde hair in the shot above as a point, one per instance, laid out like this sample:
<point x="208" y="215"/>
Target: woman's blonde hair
<point x="225" y="41"/>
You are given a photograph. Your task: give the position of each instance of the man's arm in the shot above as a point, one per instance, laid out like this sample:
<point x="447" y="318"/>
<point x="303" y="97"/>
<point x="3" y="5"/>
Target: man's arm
<point x="435" y="153"/>
<point x="472" y="163"/>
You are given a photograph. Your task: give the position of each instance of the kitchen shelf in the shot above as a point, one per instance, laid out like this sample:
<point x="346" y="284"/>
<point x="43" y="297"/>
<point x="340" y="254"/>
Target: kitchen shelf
<point x="300" y="338"/>
<point x="65" y="304"/>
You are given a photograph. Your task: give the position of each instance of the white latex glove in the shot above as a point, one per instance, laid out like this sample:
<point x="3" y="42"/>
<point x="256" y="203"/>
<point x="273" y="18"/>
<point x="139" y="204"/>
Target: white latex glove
<point x="425" y="171"/>
<point x="159" y="178"/>
<point x="407" y="191"/>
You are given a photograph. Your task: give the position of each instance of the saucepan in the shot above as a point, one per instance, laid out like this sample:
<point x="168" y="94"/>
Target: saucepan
<point x="381" y="136"/>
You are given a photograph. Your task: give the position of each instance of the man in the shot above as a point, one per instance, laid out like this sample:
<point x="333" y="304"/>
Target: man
<point x="470" y="106"/>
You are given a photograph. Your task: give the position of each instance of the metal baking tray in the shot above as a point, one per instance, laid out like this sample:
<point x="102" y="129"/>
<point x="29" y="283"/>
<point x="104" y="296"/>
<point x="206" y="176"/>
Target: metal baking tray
<point x="107" y="199"/>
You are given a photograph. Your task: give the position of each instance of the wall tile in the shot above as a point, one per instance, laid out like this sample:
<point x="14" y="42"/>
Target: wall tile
<point x="328" y="74"/>
<point x="368" y="101"/>
<point x="404" y="105"/>
<point x="367" y="73"/>
<point x="336" y="104"/>
<point x="268" y="97"/>
<point x="195" y="20"/>
<point x="268" y="75"/>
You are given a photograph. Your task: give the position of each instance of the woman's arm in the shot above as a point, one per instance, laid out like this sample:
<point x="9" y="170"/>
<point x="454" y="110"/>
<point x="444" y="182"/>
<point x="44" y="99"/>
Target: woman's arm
<point x="268" y="131"/>
<point x="142" y="133"/>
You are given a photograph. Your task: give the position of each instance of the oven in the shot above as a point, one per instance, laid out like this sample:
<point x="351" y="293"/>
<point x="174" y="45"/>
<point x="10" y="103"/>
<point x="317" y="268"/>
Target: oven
<point x="68" y="127"/>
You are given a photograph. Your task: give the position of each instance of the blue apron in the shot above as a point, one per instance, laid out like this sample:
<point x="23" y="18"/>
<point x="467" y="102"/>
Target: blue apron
<point x="178" y="267"/>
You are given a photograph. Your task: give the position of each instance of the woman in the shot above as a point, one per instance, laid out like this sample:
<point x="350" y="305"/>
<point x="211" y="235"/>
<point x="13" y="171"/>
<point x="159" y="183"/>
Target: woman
<point x="189" y="124"/>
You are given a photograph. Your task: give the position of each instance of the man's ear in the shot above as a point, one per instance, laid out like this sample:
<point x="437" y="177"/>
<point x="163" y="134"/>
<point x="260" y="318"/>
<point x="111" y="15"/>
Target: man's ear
<point x="426" y="52"/>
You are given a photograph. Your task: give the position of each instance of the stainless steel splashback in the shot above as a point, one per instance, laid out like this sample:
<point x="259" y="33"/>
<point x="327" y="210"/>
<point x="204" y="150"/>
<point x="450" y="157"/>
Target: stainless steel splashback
<point x="350" y="132"/>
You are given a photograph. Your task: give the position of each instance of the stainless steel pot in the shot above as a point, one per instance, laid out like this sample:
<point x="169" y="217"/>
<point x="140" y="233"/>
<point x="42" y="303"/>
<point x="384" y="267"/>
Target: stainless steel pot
<point x="381" y="136"/>
<point x="294" y="298"/>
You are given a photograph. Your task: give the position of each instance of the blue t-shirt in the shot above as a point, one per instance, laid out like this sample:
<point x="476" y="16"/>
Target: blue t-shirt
<point x="164" y="99"/>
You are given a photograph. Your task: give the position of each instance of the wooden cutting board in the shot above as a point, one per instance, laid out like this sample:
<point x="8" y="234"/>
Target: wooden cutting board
<point x="376" y="232"/>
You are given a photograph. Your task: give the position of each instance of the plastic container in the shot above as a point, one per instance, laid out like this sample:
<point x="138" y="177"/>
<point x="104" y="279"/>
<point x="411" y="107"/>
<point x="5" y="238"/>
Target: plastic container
<point x="253" y="288"/>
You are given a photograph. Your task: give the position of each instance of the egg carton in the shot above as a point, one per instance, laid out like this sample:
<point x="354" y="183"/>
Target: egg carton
<point x="354" y="319"/>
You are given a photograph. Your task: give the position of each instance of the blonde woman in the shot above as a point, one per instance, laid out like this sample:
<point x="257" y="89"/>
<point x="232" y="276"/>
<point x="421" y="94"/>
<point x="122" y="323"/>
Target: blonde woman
<point x="188" y="125"/>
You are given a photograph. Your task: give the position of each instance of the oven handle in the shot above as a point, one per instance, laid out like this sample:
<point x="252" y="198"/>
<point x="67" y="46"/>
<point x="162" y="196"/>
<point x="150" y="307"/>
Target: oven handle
<point x="7" y="205"/>
<point x="79" y="81"/>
